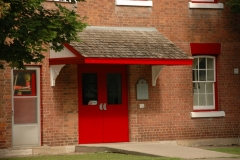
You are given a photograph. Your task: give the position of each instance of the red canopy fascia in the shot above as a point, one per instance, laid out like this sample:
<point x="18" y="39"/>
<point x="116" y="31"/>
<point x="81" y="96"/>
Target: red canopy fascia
<point x="76" y="60"/>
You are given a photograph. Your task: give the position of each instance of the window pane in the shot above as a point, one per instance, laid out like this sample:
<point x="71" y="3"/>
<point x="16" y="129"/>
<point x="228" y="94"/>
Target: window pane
<point x="195" y="87"/>
<point x="202" y="100"/>
<point x="201" y="88"/>
<point x="209" y="63"/>
<point x="195" y="75"/>
<point x="89" y="89"/>
<point x="209" y="87"/>
<point x="24" y="82"/>
<point x="210" y="75"/>
<point x="25" y="110"/>
<point x="210" y="99"/>
<point x="195" y="63"/>
<point x="202" y="75"/>
<point x="195" y="99"/>
<point x="114" y="89"/>
<point x="202" y="63"/>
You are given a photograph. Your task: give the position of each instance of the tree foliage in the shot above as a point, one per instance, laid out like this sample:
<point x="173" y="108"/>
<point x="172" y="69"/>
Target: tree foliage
<point x="27" y="29"/>
<point x="234" y="5"/>
<point x="4" y="8"/>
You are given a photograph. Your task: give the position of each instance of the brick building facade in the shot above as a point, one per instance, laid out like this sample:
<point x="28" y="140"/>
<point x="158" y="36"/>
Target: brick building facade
<point x="167" y="112"/>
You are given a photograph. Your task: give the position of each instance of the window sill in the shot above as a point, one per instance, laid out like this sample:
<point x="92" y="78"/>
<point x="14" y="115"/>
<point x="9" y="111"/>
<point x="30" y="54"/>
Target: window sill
<point x="134" y="3"/>
<point x="205" y="5"/>
<point x="207" y="114"/>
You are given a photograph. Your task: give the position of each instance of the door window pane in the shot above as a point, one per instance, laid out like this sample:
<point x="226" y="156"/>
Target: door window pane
<point x="89" y="89"/>
<point x="114" y="89"/>
<point x="24" y="82"/>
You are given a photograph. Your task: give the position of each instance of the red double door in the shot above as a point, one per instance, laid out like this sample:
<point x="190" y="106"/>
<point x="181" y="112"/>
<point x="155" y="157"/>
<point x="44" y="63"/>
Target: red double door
<point x="103" y="104"/>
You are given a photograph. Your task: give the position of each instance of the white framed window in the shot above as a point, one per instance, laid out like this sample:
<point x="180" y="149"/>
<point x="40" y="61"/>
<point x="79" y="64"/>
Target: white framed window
<point x="147" y="3"/>
<point x="204" y="79"/>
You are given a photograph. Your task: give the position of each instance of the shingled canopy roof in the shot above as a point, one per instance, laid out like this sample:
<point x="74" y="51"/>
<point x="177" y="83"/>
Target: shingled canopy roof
<point x="127" y="45"/>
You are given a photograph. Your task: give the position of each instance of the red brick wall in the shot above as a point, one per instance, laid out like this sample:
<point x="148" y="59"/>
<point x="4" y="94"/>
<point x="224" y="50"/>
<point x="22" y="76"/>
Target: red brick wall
<point x="166" y="115"/>
<point x="60" y="118"/>
<point x="59" y="107"/>
<point x="5" y="108"/>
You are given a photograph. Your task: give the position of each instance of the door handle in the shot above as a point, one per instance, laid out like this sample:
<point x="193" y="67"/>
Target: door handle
<point x="100" y="106"/>
<point x="105" y="106"/>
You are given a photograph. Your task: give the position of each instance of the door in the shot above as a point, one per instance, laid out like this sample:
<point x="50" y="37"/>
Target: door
<point x="26" y="107"/>
<point x="103" y="104"/>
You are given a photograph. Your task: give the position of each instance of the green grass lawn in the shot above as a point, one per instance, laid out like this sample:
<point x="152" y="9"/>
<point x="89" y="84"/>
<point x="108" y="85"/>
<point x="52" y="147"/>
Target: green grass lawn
<point x="230" y="150"/>
<point x="94" y="156"/>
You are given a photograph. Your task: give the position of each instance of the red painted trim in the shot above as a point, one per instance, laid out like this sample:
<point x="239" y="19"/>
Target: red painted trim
<point x="202" y="1"/>
<point x="216" y="84"/>
<point x="74" y="51"/>
<point x="74" y="60"/>
<point x="204" y="110"/>
<point x="33" y="83"/>
<point x="79" y="80"/>
<point x="205" y="48"/>
<point x="41" y="104"/>
<point x="70" y="60"/>
<point x="138" y="61"/>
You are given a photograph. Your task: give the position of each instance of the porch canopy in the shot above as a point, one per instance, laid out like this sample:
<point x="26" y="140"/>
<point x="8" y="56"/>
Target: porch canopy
<point x="120" y="45"/>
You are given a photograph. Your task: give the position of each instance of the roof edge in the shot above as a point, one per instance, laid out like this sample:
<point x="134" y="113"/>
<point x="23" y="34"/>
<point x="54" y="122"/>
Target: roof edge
<point x="122" y="28"/>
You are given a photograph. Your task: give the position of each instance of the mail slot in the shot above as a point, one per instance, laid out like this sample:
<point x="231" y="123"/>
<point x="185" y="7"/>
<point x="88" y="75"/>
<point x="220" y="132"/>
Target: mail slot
<point x="142" y="90"/>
